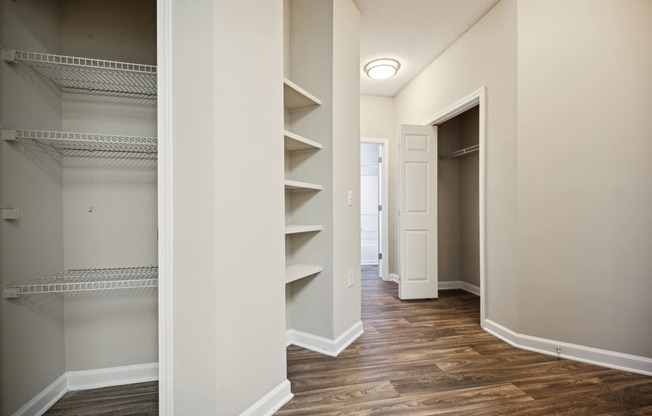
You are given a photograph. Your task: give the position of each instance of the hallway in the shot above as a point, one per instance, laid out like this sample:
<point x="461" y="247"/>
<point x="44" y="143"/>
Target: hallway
<point x="432" y="357"/>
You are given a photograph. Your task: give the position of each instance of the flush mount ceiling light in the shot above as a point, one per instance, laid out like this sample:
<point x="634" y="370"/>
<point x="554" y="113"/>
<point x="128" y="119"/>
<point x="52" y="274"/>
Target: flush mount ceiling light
<point x="382" y="68"/>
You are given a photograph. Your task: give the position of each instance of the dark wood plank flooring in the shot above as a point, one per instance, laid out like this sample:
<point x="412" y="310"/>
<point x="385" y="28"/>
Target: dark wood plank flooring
<point x="131" y="400"/>
<point x="419" y="358"/>
<point x="432" y="358"/>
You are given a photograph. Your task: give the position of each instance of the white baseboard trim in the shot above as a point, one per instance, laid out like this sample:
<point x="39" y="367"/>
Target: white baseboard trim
<point x="392" y="278"/>
<point x="449" y="285"/>
<point x="471" y="288"/>
<point x="45" y="399"/>
<point x="271" y="402"/>
<point x="114" y="376"/>
<point x="590" y="355"/>
<point x="459" y="284"/>
<point x="324" y="345"/>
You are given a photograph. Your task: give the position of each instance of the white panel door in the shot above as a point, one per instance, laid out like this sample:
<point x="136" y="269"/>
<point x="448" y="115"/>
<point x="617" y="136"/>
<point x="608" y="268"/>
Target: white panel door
<point x="418" y="213"/>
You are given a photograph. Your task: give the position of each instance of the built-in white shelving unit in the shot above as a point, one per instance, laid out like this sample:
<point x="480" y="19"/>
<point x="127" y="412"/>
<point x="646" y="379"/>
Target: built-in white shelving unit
<point x="67" y="141"/>
<point x="296" y="186"/>
<point x="294" y="142"/>
<point x="299" y="271"/>
<point x="83" y="280"/>
<point x="297" y="98"/>
<point x="298" y="229"/>
<point x="85" y="75"/>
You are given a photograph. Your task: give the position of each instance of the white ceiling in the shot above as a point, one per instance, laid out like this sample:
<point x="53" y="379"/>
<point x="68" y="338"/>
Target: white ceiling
<point x="414" y="32"/>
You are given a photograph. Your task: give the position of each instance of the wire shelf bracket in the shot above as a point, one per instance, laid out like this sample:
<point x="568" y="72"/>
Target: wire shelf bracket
<point x="67" y="141"/>
<point x="85" y="280"/>
<point x="85" y="75"/>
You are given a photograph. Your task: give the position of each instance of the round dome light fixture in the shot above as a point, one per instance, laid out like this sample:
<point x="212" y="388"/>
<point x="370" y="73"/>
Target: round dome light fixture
<point x="382" y="68"/>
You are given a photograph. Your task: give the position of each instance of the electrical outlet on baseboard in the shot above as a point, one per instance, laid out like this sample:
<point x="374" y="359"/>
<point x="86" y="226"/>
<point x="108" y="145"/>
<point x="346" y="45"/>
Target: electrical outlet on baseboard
<point x="350" y="277"/>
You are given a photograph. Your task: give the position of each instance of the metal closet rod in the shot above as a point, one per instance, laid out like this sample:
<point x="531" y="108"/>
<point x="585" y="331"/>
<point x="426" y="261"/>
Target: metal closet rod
<point x="463" y="152"/>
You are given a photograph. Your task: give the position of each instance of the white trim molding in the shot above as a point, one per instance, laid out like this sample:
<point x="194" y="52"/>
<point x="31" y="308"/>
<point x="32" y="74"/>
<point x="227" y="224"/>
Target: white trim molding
<point x="324" y="345"/>
<point x="393" y="278"/>
<point x="45" y="399"/>
<point x="114" y="376"/>
<point x="165" y="208"/>
<point x="87" y="379"/>
<point x="590" y="355"/>
<point x="271" y="402"/>
<point x="383" y="270"/>
<point x="459" y="284"/>
<point x="479" y="98"/>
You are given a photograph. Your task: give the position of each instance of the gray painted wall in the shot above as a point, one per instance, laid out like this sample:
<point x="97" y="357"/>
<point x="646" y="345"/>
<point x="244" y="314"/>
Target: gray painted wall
<point x="568" y="224"/>
<point x="229" y="319"/>
<point x="470" y="195"/>
<point x="31" y="327"/>
<point x="585" y="173"/>
<point x="449" y="202"/>
<point x="458" y="194"/>
<point x="110" y="328"/>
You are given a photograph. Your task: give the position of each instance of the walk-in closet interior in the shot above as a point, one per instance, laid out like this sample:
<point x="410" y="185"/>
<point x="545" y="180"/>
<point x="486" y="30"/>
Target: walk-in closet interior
<point x="78" y="191"/>
<point x="458" y="198"/>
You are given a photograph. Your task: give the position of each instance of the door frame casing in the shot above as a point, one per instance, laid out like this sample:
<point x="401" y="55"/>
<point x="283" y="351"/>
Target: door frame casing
<point x="165" y="207"/>
<point x="476" y="98"/>
<point x="384" y="201"/>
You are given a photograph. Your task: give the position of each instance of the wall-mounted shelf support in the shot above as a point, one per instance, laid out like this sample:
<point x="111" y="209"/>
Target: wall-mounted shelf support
<point x="67" y="141"/>
<point x="9" y="213"/>
<point x="84" y="75"/>
<point x="83" y="280"/>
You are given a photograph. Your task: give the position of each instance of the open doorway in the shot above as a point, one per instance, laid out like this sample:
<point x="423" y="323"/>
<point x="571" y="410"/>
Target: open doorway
<point x="458" y="202"/>
<point x="476" y="102"/>
<point x="373" y="206"/>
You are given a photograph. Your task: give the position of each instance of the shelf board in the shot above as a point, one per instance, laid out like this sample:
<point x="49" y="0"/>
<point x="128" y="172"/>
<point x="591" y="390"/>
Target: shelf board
<point x="94" y="76"/>
<point x="84" y="280"/>
<point x="89" y="142"/>
<point x="294" y="142"/>
<point x="299" y="271"/>
<point x="296" y="229"/>
<point x="297" y="186"/>
<point x="296" y="98"/>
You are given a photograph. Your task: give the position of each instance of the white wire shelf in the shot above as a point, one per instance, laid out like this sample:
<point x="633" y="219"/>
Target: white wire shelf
<point x="84" y="280"/>
<point x="85" y="75"/>
<point x="67" y="141"/>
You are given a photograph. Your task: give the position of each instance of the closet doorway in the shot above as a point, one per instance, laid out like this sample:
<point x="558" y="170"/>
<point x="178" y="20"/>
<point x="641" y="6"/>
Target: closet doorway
<point x="457" y="203"/>
<point x="374" y="201"/>
<point x="461" y="186"/>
